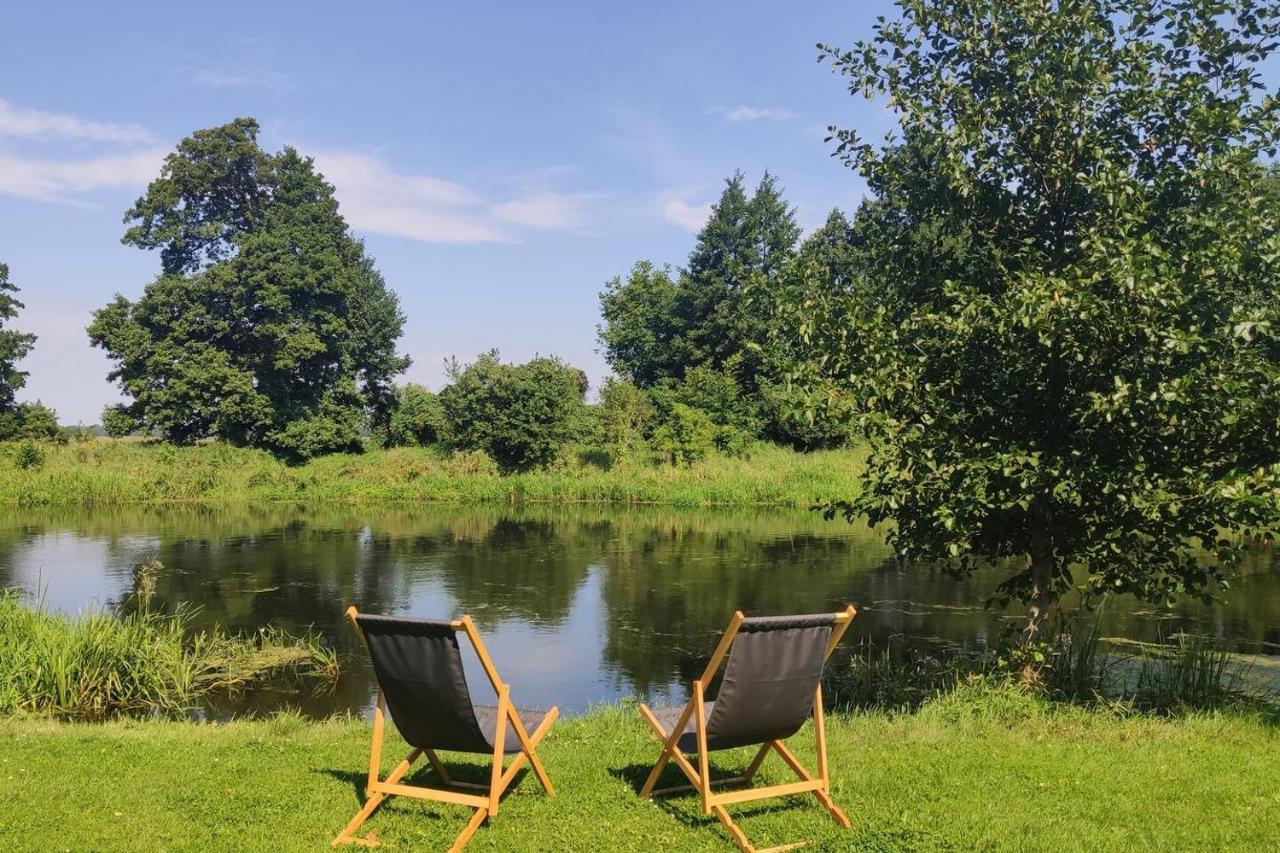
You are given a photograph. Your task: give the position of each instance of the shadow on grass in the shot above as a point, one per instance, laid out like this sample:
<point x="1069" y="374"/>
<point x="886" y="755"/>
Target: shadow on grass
<point x="424" y="776"/>
<point x="684" y="805"/>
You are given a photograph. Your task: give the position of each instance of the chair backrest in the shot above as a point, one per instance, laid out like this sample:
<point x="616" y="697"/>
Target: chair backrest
<point x="419" y="668"/>
<point x="775" y="666"/>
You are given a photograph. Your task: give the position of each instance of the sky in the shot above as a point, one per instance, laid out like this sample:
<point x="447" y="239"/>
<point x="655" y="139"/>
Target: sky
<point x="501" y="161"/>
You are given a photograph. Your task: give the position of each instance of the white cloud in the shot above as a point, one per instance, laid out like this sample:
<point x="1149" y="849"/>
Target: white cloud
<point x="36" y="124"/>
<point x="544" y="210"/>
<point x="745" y="113"/>
<point x="376" y="198"/>
<point x="52" y="180"/>
<point x="420" y="207"/>
<point x="690" y="217"/>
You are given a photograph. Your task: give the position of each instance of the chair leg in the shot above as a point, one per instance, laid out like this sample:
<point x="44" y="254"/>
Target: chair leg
<point x="469" y="830"/>
<point x="739" y="837"/>
<point x="754" y="767"/>
<point x="438" y="766"/>
<point x="371" y="804"/>
<point x="528" y="749"/>
<point x="823" y="795"/>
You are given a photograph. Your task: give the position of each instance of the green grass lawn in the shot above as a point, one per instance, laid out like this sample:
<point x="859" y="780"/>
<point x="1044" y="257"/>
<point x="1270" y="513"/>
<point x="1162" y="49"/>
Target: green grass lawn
<point x="976" y="770"/>
<point x="108" y="472"/>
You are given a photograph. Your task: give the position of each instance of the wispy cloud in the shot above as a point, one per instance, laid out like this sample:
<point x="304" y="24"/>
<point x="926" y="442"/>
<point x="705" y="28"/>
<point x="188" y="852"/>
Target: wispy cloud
<point x="255" y="77"/>
<point x="376" y="198"/>
<point x="420" y="207"/>
<point x="37" y="124"/>
<point x="690" y="217"/>
<point x="58" y="181"/>
<point x="742" y="112"/>
<point x="545" y="210"/>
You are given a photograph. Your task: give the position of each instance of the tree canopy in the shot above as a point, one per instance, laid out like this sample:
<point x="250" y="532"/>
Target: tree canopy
<point x="268" y="325"/>
<point x="521" y="415"/>
<point x="14" y="345"/>
<point x="1061" y="337"/>
<point x="657" y="325"/>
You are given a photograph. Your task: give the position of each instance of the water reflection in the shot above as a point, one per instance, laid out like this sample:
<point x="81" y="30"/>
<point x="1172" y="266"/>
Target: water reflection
<point x="578" y="605"/>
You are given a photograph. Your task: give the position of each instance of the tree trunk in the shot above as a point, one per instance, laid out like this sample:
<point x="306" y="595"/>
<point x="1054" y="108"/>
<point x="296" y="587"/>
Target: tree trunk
<point x="1043" y="564"/>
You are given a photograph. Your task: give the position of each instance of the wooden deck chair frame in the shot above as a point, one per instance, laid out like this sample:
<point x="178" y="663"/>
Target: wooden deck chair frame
<point x="819" y="783"/>
<point x="485" y="799"/>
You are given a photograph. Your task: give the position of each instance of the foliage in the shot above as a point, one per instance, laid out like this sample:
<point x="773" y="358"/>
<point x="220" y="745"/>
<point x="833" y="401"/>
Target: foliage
<point x="1062" y="336"/>
<point x="138" y="661"/>
<point x="117" y="422"/>
<point x="626" y="417"/>
<point x="685" y="435"/>
<point x="14" y="345"/>
<point x="107" y="472"/>
<point x="268" y="326"/>
<point x="817" y="413"/>
<point x="417" y="420"/>
<point x="657" y="327"/>
<point x="521" y="415"/>
<point x="28" y="455"/>
<point x="29" y="420"/>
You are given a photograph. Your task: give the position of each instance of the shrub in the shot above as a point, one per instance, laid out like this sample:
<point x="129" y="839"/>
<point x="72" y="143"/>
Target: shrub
<point x="626" y="417"/>
<point x="29" y="420"/>
<point x="521" y="415"/>
<point x="685" y="435"/>
<point x="471" y="463"/>
<point x="417" y="420"/>
<point x="715" y="392"/>
<point x="29" y="455"/>
<point x="118" y="421"/>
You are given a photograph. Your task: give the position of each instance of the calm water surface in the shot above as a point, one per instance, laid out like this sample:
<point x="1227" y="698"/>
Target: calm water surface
<point x="577" y="605"/>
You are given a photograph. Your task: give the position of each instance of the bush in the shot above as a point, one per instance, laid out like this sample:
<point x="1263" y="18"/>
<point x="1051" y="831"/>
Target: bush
<point x="29" y="420"/>
<point x="521" y="415"/>
<point x="685" y="435"/>
<point x="715" y="392"/>
<point x="470" y="463"/>
<point x="29" y="455"/>
<point x="118" y="421"/>
<point x="626" y="417"/>
<point x="417" y="420"/>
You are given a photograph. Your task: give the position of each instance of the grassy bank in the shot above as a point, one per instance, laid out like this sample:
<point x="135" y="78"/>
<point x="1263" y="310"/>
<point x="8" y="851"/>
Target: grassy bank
<point x="100" y="664"/>
<point x="104" y="472"/>
<point x="979" y="768"/>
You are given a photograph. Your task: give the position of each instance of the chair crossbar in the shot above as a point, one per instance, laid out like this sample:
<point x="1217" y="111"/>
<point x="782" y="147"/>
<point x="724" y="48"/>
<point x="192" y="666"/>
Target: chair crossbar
<point x="486" y="804"/>
<point x="714" y="801"/>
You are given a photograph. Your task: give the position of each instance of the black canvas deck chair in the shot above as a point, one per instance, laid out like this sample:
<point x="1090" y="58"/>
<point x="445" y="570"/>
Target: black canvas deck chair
<point x="771" y="685"/>
<point x="422" y="685"/>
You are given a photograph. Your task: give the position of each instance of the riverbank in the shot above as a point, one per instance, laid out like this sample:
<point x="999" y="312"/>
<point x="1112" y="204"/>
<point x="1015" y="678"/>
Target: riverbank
<point x="979" y="768"/>
<point x="107" y="472"/>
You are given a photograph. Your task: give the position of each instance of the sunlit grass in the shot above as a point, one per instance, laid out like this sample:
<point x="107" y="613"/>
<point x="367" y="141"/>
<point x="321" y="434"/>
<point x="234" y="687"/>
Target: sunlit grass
<point x="106" y="472"/>
<point x="976" y="768"/>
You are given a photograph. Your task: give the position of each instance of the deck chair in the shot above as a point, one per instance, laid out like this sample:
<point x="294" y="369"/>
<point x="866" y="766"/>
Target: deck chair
<point x="422" y="685"/>
<point x="771" y="685"/>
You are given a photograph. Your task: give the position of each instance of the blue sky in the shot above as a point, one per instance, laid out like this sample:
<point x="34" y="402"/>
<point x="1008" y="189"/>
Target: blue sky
<point x="502" y="161"/>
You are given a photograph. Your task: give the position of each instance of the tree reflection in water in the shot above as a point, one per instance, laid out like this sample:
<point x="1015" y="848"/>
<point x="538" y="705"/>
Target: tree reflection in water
<point x="580" y="604"/>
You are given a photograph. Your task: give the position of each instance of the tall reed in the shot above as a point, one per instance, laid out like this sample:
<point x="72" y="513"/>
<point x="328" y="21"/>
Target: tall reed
<point x="102" y="664"/>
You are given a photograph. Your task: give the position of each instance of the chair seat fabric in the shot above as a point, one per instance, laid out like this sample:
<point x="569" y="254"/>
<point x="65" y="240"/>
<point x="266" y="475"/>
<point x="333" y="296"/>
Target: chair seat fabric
<point x="669" y="715"/>
<point x="487" y="717"/>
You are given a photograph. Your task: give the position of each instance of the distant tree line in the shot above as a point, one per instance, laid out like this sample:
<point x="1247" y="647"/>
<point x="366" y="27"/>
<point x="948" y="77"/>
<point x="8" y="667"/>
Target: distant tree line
<point x="269" y="326"/>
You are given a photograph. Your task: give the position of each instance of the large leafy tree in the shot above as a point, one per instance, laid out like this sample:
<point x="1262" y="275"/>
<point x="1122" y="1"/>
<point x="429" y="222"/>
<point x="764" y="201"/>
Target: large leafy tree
<point x="658" y="325"/>
<point x="1062" y="338"/>
<point x="18" y="420"/>
<point x="14" y="345"/>
<point x="269" y="325"/>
